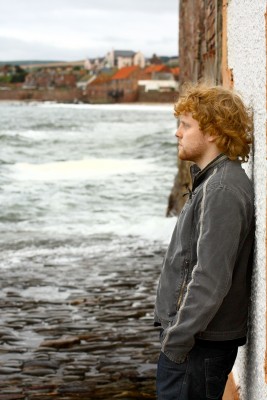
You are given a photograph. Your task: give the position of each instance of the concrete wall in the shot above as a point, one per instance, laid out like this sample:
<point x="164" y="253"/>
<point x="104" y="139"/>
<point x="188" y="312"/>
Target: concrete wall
<point x="247" y="58"/>
<point x="60" y="95"/>
<point x="157" y="97"/>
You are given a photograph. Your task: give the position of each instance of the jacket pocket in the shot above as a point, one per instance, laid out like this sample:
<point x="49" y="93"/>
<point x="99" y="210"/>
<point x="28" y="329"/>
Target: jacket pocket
<point x="183" y="287"/>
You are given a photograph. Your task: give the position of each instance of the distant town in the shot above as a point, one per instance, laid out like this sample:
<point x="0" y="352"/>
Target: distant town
<point x="121" y="76"/>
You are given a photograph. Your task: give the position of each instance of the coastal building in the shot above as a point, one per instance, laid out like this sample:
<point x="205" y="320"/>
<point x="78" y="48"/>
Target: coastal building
<point x="176" y="73"/>
<point x="125" y="58"/>
<point x="158" y="84"/>
<point x="50" y="78"/>
<point x="155" y="83"/>
<point x="157" y="91"/>
<point x="124" y="84"/>
<point x="159" y="72"/>
<point x="97" y="91"/>
<point x="95" y="64"/>
<point x="84" y="81"/>
<point x="224" y="42"/>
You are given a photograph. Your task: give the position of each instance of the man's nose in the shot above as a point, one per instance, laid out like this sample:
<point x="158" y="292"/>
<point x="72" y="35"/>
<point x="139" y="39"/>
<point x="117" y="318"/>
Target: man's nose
<point x="178" y="133"/>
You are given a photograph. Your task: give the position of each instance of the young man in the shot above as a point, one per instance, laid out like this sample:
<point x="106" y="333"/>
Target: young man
<point x="204" y="288"/>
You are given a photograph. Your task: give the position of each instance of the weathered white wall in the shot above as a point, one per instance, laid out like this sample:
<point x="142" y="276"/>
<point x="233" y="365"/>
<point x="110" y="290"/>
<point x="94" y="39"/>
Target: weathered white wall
<point x="247" y="58"/>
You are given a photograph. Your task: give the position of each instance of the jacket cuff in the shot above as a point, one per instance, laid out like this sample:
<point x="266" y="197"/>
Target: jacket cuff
<point x="156" y="320"/>
<point x="178" y="359"/>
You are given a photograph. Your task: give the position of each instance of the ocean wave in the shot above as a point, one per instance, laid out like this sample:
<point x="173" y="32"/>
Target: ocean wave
<point x="80" y="169"/>
<point x="111" y="107"/>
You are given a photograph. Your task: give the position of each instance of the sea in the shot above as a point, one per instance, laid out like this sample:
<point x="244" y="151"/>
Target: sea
<point x="79" y="180"/>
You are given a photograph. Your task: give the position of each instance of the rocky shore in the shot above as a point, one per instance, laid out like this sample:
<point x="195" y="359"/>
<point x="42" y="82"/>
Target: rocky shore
<point x="80" y="331"/>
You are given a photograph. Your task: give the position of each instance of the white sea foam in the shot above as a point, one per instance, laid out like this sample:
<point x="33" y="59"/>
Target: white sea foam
<point x="151" y="229"/>
<point x="111" y="107"/>
<point x="29" y="134"/>
<point x="45" y="293"/>
<point x="93" y="168"/>
<point x="154" y="229"/>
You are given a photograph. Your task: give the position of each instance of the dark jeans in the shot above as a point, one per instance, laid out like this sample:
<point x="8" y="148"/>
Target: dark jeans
<point x="202" y="376"/>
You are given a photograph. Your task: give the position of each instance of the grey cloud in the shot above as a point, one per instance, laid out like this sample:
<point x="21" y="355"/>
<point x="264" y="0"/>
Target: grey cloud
<point x="143" y="6"/>
<point x="92" y="26"/>
<point x="14" y="49"/>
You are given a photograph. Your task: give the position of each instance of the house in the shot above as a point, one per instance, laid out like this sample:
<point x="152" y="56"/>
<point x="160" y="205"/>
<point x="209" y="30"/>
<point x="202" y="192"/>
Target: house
<point x="97" y="91"/>
<point x="39" y="79"/>
<point x="124" y="84"/>
<point x="125" y="58"/>
<point x="65" y="80"/>
<point x="157" y="91"/>
<point x="158" y="84"/>
<point x="50" y="78"/>
<point x="132" y="83"/>
<point x="158" y="72"/>
<point x="95" y="64"/>
<point x="176" y="72"/>
<point x="84" y="81"/>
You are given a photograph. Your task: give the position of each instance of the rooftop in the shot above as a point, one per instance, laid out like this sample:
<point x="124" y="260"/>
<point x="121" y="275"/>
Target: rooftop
<point x="156" y="68"/>
<point x="124" y="53"/>
<point x="125" y="72"/>
<point x="102" y="78"/>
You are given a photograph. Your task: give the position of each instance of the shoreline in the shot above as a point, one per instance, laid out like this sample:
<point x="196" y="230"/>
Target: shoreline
<point x="81" y="102"/>
<point x="75" y="95"/>
<point x="98" y="343"/>
<point x="136" y="103"/>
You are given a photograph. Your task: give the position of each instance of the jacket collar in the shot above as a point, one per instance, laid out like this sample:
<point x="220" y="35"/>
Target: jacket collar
<point x="198" y="175"/>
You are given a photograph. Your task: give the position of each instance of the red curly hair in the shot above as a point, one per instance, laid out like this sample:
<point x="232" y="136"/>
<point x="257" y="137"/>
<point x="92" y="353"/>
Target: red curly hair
<point x="220" y="112"/>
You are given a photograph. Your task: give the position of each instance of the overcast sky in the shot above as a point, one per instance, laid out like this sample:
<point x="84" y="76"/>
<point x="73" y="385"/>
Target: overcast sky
<point x="76" y="29"/>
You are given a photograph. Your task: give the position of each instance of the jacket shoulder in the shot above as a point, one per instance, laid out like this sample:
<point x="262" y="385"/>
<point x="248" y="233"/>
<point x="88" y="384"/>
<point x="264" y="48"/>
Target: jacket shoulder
<point x="232" y="176"/>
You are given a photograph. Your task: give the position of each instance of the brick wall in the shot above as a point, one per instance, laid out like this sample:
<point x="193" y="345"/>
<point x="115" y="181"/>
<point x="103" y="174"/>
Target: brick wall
<point x="200" y="56"/>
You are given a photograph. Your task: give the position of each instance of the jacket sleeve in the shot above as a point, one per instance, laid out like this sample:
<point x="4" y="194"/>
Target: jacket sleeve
<point x="221" y="222"/>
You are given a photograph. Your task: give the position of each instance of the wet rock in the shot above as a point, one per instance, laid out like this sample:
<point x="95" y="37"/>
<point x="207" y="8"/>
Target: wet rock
<point x="8" y="370"/>
<point x="35" y="371"/>
<point x="52" y="364"/>
<point x="61" y="343"/>
<point x="96" y="343"/>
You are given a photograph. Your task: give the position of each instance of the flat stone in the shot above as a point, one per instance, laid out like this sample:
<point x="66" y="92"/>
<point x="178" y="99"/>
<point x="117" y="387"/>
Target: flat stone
<point x="8" y="370"/>
<point x="38" y="371"/>
<point x="61" y="343"/>
<point x="41" y="363"/>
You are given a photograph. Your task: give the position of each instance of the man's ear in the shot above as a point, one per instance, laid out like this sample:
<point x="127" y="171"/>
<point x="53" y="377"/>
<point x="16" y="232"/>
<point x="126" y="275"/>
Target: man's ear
<point x="212" y="138"/>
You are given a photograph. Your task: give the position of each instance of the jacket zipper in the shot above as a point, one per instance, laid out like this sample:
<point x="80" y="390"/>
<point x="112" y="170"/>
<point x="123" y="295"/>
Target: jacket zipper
<point x="183" y="284"/>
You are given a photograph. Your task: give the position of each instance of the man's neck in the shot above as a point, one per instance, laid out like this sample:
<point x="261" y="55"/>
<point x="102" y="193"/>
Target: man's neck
<point x="208" y="159"/>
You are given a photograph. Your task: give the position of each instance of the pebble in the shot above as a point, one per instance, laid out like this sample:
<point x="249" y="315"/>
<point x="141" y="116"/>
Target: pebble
<point x="6" y="370"/>
<point x="59" y="343"/>
<point x="97" y="343"/>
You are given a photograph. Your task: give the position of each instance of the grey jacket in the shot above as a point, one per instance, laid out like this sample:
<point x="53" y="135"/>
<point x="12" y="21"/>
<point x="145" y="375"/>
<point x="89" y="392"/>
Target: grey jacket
<point x="204" y="287"/>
